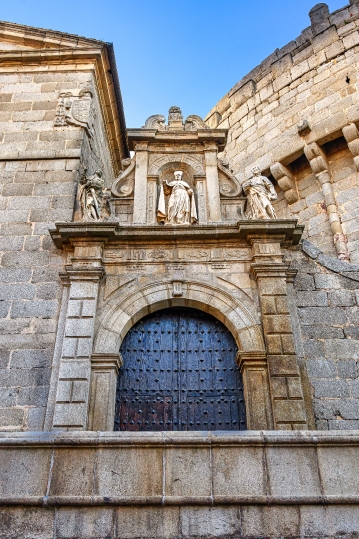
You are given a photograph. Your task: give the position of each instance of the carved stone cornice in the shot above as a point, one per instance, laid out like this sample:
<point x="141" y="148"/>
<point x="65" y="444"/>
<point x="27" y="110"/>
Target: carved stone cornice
<point x="103" y="362"/>
<point x="282" y="230"/>
<point x="218" y="137"/>
<point x="286" y="230"/>
<point x="82" y="273"/>
<point x="253" y="358"/>
<point x="269" y="269"/>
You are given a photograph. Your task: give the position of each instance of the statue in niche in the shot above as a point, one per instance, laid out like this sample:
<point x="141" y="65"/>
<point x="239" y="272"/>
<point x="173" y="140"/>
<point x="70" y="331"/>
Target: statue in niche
<point x="91" y="196"/>
<point x="260" y="192"/>
<point x="181" y="208"/>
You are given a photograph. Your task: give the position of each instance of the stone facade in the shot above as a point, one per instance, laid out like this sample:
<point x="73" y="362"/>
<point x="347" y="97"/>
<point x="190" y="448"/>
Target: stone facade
<point x="93" y="240"/>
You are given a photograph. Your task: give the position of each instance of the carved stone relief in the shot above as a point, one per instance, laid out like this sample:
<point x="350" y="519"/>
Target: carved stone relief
<point x="76" y="110"/>
<point x="157" y="162"/>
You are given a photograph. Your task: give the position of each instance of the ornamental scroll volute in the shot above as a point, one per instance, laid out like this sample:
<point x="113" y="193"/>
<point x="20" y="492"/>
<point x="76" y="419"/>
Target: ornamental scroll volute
<point x="233" y="204"/>
<point x="121" y="202"/>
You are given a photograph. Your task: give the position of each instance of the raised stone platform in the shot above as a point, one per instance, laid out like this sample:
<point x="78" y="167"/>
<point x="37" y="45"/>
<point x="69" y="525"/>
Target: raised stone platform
<point x="218" y="484"/>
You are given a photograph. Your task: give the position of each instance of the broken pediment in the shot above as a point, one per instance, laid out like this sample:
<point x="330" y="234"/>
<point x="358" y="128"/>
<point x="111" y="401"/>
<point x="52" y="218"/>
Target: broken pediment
<point x="175" y="122"/>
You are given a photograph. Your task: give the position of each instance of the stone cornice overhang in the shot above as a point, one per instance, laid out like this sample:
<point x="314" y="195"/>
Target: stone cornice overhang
<point x="218" y="136"/>
<point x="103" y="61"/>
<point x="286" y="231"/>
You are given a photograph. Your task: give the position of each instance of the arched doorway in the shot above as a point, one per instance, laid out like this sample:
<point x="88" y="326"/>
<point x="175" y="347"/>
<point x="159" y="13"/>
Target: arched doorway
<point x="179" y="373"/>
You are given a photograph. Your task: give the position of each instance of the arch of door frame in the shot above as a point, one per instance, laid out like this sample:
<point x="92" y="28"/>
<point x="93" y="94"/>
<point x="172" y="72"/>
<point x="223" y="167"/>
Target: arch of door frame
<point x="129" y="308"/>
<point x="238" y="318"/>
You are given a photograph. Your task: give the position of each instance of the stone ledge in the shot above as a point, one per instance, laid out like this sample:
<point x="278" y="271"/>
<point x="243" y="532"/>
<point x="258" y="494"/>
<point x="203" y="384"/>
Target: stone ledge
<point x="173" y="438"/>
<point x="113" y="231"/>
<point x="351" y="271"/>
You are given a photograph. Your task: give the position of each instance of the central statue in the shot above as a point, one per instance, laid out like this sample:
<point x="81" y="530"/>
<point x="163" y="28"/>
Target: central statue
<point x="181" y="208"/>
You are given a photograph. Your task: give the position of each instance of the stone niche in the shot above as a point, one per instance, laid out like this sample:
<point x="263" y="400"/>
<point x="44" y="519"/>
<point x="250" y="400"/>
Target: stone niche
<point x="190" y="147"/>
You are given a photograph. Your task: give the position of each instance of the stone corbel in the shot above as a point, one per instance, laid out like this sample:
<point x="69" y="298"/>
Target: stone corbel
<point x="285" y="181"/>
<point x="102" y="402"/>
<point x="351" y="135"/>
<point x="320" y="166"/>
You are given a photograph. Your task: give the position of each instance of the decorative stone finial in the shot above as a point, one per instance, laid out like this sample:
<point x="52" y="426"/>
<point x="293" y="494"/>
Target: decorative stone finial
<point x="175" y="118"/>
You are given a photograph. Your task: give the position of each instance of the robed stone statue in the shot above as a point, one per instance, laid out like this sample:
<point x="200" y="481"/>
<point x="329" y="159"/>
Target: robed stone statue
<point x="260" y="192"/>
<point x="181" y="207"/>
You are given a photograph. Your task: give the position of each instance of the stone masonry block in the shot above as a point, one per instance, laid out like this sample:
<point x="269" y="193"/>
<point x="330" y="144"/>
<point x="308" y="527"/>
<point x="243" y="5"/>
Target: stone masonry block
<point x="25" y="259"/>
<point x="220" y="521"/>
<point x="342" y="349"/>
<point x="34" y="523"/>
<point x="70" y="415"/>
<point x="282" y="365"/>
<point x="322" y="315"/>
<point x="321" y="368"/>
<point x="279" y="388"/>
<point x="187" y="472"/>
<point x="270" y="522"/>
<point x="282" y="304"/>
<point x="347" y="368"/>
<point x="311" y="299"/>
<point x="274" y="344"/>
<point x="293" y="472"/>
<point x="342" y="298"/>
<point x="304" y="282"/>
<point x="268" y="305"/>
<point x="294" y="388"/>
<point x="85" y="522"/>
<point x="137" y="521"/>
<point x="288" y="344"/>
<point x="286" y="411"/>
<point x="325" y="39"/>
<point x="125" y="472"/>
<point x="314" y="349"/>
<point x="42" y="308"/>
<point x="276" y="324"/>
<point x="330" y="388"/>
<point x="31" y="359"/>
<point x="79" y="327"/>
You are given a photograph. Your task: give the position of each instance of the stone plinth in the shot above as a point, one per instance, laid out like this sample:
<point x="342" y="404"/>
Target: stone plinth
<point x="166" y="485"/>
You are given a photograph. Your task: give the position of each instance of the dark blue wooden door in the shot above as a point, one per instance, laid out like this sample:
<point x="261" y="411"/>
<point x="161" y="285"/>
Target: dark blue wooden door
<point x="179" y="373"/>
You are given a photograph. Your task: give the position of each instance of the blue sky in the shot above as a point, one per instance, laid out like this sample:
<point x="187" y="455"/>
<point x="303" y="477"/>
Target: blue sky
<point x="187" y="53"/>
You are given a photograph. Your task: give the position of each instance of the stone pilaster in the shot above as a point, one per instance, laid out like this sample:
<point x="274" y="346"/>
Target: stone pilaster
<point x="320" y="166"/>
<point x="104" y="374"/>
<point x="73" y="386"/>
<point x="213" y="197"/>
<point x="253" y="366"/>
<point x="284" y="377"/>
<point x="140" y="190"/>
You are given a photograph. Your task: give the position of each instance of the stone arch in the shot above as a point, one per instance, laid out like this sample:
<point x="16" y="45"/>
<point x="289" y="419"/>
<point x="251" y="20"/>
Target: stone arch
<point x="190" y="160"/>
<point x="238" y="318"/>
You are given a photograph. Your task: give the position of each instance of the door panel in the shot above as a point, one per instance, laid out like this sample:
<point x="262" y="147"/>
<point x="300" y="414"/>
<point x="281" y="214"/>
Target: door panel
<point x="179" y="373"/>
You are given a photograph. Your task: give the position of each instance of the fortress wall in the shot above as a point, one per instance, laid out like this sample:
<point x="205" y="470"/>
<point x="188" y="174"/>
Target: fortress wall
<point x="313" y="78"/>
